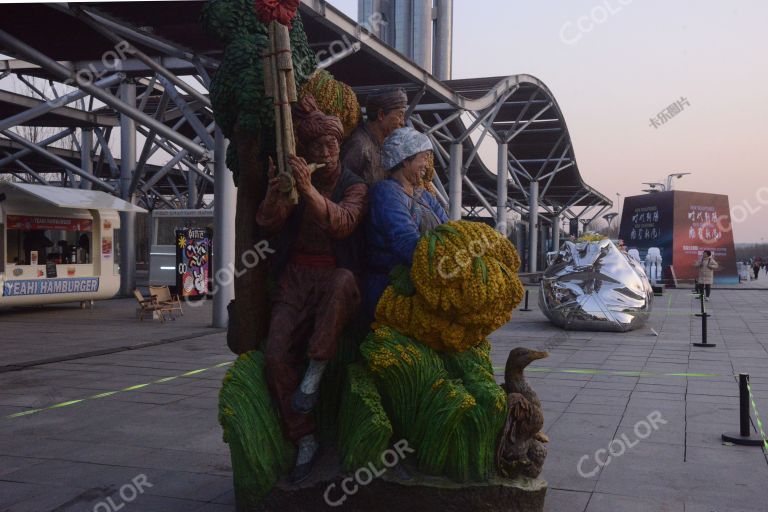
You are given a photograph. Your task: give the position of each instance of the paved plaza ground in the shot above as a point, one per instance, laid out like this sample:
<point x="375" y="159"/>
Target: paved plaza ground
<point x="136" y="404"/>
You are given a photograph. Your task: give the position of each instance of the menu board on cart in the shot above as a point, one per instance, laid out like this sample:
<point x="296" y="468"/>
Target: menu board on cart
<point x="50" y="269"/>
<point x="193" y="256"/>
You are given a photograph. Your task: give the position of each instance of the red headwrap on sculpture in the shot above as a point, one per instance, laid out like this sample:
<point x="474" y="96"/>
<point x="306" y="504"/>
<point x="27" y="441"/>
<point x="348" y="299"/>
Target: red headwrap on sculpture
<point x="282" y="11"/>
<point x="310" y="123"/>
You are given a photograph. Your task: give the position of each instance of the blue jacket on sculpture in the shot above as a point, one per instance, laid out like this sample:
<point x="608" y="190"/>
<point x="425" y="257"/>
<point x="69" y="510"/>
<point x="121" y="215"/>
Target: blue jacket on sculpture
<point x="393" y="231"/>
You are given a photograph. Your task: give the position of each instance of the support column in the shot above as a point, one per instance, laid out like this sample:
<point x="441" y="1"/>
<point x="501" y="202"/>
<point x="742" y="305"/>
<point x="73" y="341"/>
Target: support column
<point x="455" y="182"/>
<point x="225" y="203"/>
<point x="556" y="233"/>
<point x="86" y="156"/>
<point x="533" y="229"/>
<point x="501" y="190"/>
<point x="443" y="40"/>
<point x="127" y="166"/>
<point x="574" y="227"/>
<point x="192" y="190"/>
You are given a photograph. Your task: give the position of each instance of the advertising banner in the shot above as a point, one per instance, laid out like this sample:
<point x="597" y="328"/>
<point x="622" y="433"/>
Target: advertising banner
<point x="50" y="286"/>
<point x="682" y="225"/>
<point x="703" y="222"/>
<point x="193" y="251"/>
<point x="28" y="223"/>
<point x="647" y="221"/>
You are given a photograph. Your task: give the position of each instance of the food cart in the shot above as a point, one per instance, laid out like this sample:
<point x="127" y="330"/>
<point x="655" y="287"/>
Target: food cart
<point x="58" y="244"/>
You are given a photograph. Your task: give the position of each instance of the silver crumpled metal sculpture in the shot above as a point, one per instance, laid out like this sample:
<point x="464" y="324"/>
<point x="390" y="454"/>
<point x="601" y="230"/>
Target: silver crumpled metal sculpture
<point x="593" y="286"/>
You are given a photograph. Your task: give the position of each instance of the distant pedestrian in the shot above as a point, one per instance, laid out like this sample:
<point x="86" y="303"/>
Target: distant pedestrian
<point x="756" y="267"/>
<point x="707" y="266"/>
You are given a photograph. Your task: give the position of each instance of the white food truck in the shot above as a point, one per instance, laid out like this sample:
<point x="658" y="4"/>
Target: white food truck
<point x="58" y="244"/>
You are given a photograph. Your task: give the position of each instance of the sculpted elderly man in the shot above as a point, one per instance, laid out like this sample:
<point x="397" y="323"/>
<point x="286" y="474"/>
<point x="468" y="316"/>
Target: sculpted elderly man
<point x="385" y="113"/>
<point x="318" y="291"/>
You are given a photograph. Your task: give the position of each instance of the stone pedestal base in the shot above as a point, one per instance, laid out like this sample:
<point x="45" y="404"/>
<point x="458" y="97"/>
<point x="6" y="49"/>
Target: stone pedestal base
<point x="395" y="490"/>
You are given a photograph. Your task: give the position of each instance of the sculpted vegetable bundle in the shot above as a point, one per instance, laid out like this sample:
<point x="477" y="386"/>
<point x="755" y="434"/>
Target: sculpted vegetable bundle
<point x="464" y="287"/>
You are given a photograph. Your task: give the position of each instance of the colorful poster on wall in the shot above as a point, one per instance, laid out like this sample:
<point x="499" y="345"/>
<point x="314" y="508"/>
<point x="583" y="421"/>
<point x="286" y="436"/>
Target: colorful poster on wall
<point x="106" y="246"/>
<point x="193" y="257"/>
<point x="703" y="222"/>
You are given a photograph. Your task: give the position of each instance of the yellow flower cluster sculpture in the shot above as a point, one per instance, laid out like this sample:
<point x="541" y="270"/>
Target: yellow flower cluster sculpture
<point x="591" y="237"/>
<point x="334" y="98"/>
<point x="464" y="287"/>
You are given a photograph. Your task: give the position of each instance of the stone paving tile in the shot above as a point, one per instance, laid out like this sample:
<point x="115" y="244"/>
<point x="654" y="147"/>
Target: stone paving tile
<point x="602" y="502"/>
<point x="61" y="454"/>
<point x="560" y="500"/>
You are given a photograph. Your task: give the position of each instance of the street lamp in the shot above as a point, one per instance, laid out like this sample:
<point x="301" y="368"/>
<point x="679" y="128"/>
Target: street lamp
<point x="656" y="184"/>
<point x="677" y="175"/>
<point x="609" y="218"/>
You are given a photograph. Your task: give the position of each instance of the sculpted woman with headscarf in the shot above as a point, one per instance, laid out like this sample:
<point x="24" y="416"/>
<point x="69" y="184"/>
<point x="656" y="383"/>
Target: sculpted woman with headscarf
<point x="400" y="210"/>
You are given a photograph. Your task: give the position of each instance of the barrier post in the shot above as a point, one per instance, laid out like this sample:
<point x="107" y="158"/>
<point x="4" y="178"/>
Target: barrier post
<point x="704" y="333"/>
<point x="525" y="308"/>
<point x="701" y="299"/>
<point x="743" y="438"/>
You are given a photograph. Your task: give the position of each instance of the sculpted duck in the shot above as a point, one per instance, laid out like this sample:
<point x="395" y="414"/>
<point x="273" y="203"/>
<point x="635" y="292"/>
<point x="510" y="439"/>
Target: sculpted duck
<point x="520" y="449"/>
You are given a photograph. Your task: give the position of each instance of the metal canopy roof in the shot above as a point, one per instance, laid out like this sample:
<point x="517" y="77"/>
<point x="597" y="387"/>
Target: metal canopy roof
<point x="12" y="104"/>
<point x="518" y="107"/>
<point x="72" y="198"/>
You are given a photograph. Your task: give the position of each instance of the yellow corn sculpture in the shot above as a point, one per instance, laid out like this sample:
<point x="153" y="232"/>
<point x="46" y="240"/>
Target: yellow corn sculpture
<point x="426" y="179"/>
<point x="334" y="98"/>
<point x="465" y="286"/>
<point x="591" y="237"/>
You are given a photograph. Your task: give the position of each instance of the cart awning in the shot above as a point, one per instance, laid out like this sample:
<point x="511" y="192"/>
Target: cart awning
<point x="73" y="198"/>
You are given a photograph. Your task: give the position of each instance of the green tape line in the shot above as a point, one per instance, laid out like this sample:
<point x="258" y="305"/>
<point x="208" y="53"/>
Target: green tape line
<point x="110" y="393"/>
<point x="757" y="417"/>
<point x="539" y="369"/>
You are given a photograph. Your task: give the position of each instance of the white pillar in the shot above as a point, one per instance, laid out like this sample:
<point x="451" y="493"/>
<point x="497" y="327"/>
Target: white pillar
<point x="454" y="181"/>
<point x="225" y="203"/>
<point x="556" y="233"/>
<point x="501" y="190"/>
<point x="533" y="227"/>
<point x="127" y="167"/>
<point x="191" y="189"/>
<point x="86" y="156"/>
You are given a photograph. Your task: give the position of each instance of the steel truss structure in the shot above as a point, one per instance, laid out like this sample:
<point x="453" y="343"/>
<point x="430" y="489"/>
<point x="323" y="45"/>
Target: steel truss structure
<point x="144" y="69"/>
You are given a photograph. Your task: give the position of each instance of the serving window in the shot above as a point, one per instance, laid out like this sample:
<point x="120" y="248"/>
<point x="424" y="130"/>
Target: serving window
<point x="40" y="240"/>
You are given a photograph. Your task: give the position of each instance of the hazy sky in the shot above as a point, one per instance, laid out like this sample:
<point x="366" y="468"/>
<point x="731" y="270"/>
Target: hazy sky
<point x="636" y="59"/>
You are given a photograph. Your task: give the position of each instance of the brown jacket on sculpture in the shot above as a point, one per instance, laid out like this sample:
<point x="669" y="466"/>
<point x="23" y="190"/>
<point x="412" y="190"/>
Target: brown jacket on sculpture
<point x="317" y="291"/>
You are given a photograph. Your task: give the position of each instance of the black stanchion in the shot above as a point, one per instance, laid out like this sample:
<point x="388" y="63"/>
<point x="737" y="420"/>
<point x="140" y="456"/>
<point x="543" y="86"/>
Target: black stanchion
<point x="704" y="333"/>
<point x="525" y="308"/>
<point x="701" y="299"/>
<point x="743" y="438"/>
